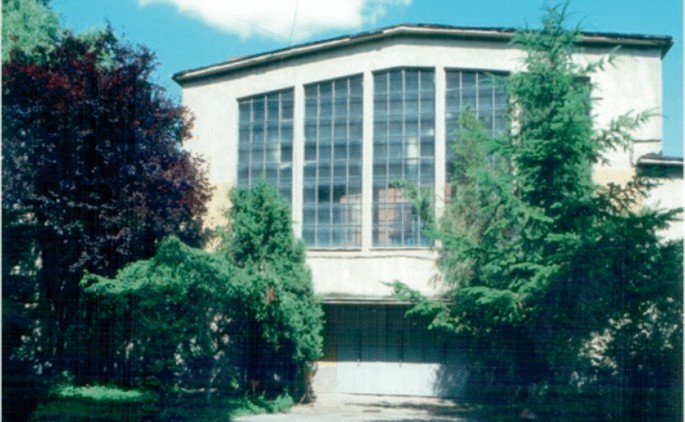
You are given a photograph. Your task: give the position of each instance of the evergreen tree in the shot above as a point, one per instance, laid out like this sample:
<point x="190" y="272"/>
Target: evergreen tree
<point x="539" y="258"/>
<point x="286" y="335"/>
<point x="171" y="321"/>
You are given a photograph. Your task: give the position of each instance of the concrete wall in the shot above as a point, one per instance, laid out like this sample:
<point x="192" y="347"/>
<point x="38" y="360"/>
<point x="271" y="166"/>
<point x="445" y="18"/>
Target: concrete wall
<point x="632" y="83"/>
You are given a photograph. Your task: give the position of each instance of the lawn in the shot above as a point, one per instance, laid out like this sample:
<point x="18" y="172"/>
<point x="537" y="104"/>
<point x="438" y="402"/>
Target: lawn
<point x="111" y="404"/>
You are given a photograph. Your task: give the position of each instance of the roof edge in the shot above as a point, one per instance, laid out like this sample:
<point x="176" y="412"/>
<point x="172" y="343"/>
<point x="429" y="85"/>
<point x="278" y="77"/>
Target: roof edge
<point x="663" y="43"/>
<point x="658" y="159"/>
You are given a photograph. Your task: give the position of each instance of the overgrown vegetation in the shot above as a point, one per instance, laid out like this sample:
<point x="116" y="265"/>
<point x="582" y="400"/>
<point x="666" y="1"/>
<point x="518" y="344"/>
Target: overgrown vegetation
<point x="285" y="315"/>
<point x="558" y="282"/>
<point x="190" y="332"/>
<point x="240" y="320"/>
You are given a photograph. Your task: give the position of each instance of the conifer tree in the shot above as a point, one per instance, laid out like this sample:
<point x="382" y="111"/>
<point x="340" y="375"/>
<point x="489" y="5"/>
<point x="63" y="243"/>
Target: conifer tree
<point x="539" y="259"/>
<point x="286" y="315"/>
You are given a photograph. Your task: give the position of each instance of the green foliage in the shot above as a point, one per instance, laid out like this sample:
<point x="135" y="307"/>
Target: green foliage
<point x="93" y="178"/>
<point x="29" y="27"/>
<point x="261" y="235"/>
<point x="541" y="261"/>
<point x="179" y="307"/>
<point x="188" y="406"/>
<point x="191" y="319"/>
<point x="100" y="393"/>
<point x="261" y="242"/>
<point x="257" y="405"/>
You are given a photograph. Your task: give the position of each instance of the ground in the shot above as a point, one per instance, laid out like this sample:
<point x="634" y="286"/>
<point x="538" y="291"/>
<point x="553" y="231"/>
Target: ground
<point x="353" y="408"/>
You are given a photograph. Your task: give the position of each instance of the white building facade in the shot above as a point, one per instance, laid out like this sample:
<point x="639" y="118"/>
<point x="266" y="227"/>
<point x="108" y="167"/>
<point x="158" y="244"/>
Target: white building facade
<point x="334" y="125"/>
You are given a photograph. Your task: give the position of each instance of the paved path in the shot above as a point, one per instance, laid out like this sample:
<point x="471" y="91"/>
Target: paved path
<point x="357" y="408"/>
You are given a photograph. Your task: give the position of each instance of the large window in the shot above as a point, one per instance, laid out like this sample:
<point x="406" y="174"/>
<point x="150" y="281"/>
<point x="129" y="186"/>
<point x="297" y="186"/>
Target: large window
<point x="403" y="151"/>
<point x="333" y="159"/>
<point x="265" y="144"/>
<point x="403" y="139"/>
<point x="482" y="94"/>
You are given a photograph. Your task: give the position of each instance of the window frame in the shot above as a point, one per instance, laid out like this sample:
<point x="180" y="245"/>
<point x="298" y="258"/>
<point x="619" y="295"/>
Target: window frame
<point x="329" y="223"/>
<point x="259" y="127"/>
<point x="402" y="152"/>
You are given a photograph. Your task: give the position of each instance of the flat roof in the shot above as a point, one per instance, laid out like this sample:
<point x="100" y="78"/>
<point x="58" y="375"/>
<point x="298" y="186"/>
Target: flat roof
<point x="597" y="39"/>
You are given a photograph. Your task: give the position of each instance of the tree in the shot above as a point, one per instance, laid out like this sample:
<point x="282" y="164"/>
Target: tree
<point x="539" y="258"/>
<point x="94" y="174"/>
<point x="29" y="27"/>
<point x="287" y="316"/>
<point x="174" y="320"/>
<point x="242" y="318"/>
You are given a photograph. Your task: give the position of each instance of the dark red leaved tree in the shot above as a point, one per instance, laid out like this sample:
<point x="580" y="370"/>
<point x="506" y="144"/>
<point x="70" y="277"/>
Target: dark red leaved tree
<point x="93" y="170"/>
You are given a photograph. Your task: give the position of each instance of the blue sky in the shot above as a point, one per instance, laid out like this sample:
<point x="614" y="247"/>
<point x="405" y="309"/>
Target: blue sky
<point x="187" y="34"/>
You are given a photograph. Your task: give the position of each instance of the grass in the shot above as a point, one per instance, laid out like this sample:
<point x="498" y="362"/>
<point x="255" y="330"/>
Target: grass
<point x="101" y="393"/>
<point x="112" y="404"/>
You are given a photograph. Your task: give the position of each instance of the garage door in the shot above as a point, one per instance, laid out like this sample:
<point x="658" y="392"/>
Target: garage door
<point x="375" y="349"/>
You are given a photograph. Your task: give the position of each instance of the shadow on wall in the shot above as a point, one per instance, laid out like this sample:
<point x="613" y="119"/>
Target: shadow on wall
<point x="451" y="380"/>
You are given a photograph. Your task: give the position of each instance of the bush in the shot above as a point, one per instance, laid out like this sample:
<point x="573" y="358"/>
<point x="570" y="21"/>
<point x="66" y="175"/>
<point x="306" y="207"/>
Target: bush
<point x="244" y="319"/>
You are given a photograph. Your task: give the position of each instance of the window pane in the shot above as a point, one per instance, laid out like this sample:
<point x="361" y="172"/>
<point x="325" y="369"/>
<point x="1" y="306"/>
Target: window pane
<point x="286" y="153"/>
<point x="380" y="107"/>
<point x="427" y="81"/>
<point x="272" y="108"/>
<point x="245" y="111"/>
<point x="286" y="132"/>
<point x="333" y="145"/>
<point x="258" y="109"/>
<point x="411" y="80"/>
<point x="380" y="83"/>
<point x="355" y="151"/>
<point x="402" y="142"/>
<point x="265" y="141"/>
<point x="482" y="94"/>
<point x="310" y="152"/>
<point x="355" y="109"/>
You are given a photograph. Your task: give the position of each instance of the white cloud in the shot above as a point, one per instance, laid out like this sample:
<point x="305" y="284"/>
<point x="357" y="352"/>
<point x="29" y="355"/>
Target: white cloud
<point x="274" y="18"/>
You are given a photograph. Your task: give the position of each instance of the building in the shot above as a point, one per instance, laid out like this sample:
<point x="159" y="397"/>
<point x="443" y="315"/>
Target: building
<point x="669" y="191"/>
<point x="333" y="124"/>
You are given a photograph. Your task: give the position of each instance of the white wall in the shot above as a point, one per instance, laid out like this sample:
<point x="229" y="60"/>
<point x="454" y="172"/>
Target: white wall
<point x="364" y="274"/>
<point x="392" y="378"/>
<point x="669" y="194"/>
